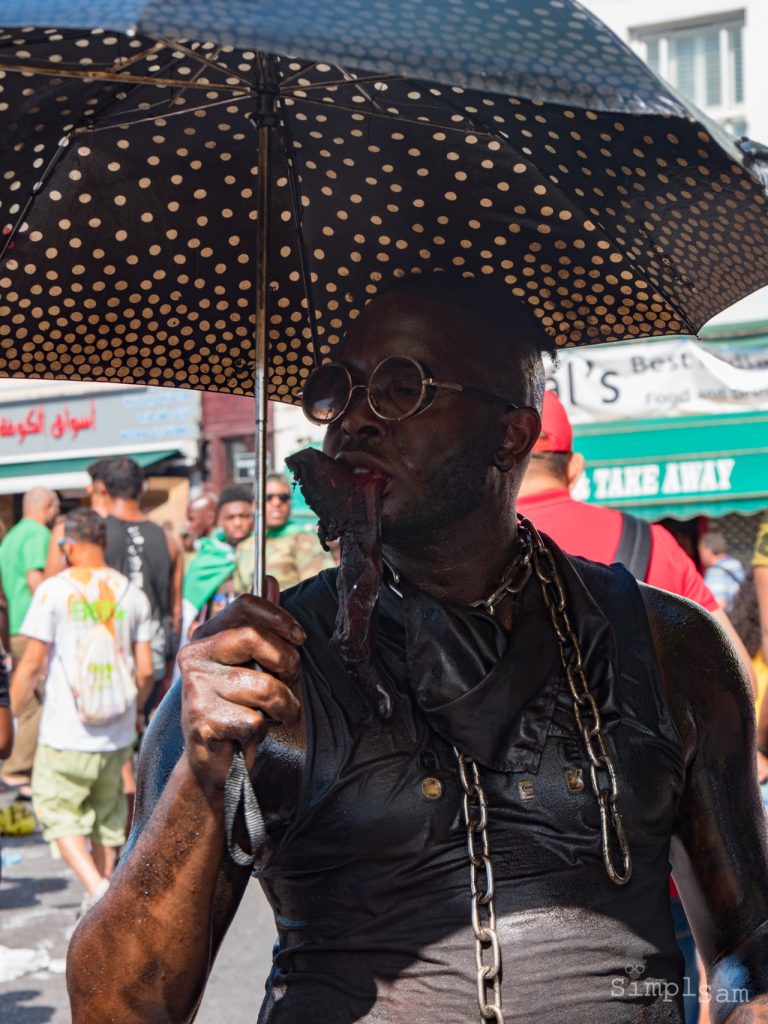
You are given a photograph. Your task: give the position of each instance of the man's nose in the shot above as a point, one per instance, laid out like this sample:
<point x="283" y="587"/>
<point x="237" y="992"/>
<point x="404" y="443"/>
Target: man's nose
<point x="359" y="419"/>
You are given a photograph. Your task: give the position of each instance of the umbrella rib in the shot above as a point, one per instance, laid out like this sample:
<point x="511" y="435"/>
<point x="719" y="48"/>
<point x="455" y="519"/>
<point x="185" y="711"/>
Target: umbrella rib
<point x="117" y="66"/>
<point x="289" y="152"/>
<point x="122" y="123"/>
<point x="364" y="79"/>
<point x="399" y="118"/>
<point x="127" y="62"/>
<point x="47" y="172"/>
<point x="206" y="61"/>
<point x="296" y="74"/>
<point x="35" y="191"/>
<point x="194" y="78"/>
<point x="372" y="101"/>
<point x="106" y="76"/>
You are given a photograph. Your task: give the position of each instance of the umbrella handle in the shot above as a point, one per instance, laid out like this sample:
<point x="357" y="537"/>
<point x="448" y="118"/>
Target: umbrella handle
<point x="238" y="791"/>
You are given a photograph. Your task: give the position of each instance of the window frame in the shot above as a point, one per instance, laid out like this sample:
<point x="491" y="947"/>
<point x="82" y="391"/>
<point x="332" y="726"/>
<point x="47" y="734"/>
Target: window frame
<point x="730" y="111"/>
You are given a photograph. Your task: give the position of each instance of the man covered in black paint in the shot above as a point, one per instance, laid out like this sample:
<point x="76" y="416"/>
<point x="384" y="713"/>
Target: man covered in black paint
<point x="366" y="862"/>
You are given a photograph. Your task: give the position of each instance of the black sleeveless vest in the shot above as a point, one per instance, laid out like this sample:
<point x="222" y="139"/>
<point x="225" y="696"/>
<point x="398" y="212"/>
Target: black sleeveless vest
<point x="369" y="876"/>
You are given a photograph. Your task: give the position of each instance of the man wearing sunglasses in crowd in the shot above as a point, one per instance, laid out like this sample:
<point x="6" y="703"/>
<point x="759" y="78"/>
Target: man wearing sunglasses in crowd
<point x="492" y="838"/>
<point x="293" y="552"/>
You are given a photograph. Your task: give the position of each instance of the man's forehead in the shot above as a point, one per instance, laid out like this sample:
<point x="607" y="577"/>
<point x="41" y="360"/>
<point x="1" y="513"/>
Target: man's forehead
<point x="236" y="508"/>
<point x="404" y="324"/>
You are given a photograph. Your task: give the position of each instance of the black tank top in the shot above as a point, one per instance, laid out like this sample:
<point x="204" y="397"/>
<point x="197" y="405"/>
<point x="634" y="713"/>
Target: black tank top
<point x="140" y="552"/>
<point x="369" y="876"/>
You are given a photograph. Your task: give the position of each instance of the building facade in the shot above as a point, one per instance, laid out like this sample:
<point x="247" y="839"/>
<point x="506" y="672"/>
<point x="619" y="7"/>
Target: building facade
<point x="713" y="53"/>
<point x="50" y="431"/>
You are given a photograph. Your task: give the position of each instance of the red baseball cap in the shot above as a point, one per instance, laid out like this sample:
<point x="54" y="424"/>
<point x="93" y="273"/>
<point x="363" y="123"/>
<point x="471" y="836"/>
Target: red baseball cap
<point x="556" y="431"/>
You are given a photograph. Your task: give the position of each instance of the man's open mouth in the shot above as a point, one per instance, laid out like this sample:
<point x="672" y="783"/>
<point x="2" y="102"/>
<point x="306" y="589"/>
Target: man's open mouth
<point x="366" y="467"/>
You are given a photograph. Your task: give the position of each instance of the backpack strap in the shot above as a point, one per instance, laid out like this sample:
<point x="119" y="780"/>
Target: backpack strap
<point x="84" y="596"/>
<point x="634" y="550"/>
<point x="722" y="568"/>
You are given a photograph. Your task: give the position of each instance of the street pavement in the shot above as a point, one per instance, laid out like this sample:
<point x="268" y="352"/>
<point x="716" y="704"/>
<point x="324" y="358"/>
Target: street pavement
<point x="39" y="900"/>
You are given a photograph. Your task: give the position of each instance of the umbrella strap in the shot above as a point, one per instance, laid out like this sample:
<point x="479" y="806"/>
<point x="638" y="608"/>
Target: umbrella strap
<point x="238" y="790"/>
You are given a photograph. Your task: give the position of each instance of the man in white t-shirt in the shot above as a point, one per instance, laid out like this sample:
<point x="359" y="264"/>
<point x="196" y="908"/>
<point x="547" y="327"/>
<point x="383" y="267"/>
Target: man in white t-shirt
<point x="91" y="626"/>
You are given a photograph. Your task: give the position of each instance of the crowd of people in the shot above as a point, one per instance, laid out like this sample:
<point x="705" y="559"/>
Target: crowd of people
<point x="94" y="605"/>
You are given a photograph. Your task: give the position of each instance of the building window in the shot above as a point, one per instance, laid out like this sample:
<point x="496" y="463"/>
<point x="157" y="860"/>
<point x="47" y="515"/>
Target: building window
<point x="239" y="460"/>
<point x="704" y="62"/>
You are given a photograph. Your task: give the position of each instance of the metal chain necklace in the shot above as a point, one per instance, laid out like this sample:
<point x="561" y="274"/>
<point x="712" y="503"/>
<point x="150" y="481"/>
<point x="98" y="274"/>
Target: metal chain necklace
<point x="534" y="556"/>
<point x="475" y="808"/>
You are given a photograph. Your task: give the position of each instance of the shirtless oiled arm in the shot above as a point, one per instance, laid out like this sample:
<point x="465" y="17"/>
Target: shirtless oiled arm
<point x="719" y="853"/>
<point x="176" y="890"/>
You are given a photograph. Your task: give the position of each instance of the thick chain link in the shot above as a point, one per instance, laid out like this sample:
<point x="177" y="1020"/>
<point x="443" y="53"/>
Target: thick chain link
<point x="534" y="556"/>
<point x="475" y="808"/>
<point x="586" y="712"/>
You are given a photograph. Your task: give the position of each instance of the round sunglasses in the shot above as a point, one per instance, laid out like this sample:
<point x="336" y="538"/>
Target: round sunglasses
<point x="398" y="388"/>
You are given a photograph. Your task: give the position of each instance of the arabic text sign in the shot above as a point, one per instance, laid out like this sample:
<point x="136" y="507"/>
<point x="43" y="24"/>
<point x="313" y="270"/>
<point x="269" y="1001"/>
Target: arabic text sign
<point x="679" y="377"/>
<point x="59" y="424"/>
<point x="119" y="418"/>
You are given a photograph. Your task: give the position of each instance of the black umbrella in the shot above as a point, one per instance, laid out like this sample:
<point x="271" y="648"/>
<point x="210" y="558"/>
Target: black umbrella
<point x="135" y="172"/>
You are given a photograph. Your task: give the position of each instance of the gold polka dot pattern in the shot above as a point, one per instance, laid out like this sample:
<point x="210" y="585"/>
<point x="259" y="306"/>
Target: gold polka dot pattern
<point x="128" y="210"/>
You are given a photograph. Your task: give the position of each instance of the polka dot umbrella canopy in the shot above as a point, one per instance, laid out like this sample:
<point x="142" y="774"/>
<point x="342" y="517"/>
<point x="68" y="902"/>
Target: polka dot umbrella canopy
<point x="517" y="140"/>
<point x="129" y="176"/>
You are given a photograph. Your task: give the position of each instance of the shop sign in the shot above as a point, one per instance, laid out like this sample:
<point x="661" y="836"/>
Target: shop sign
<point x="679" y="377"/>
<point x="117" y="418"/>
<point x="34" y="420"/>
<point x="678" y="480"/>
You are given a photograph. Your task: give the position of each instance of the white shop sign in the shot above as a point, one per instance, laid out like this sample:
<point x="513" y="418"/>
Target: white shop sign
<point x="680" y="377"/>
<point x="653" y="479"/>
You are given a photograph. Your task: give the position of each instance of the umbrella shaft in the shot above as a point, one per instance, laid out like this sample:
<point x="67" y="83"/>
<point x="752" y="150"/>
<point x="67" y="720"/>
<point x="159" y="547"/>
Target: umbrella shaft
<point x="260" y="375"/>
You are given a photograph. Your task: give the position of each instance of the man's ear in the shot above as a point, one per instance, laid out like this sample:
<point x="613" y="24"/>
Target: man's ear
<point x="574" y="470"/>
<point x="521" y="432"/>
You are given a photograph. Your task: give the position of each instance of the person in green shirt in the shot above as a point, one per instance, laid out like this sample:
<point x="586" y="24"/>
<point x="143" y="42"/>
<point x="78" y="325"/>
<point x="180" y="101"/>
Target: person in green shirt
<point x="212" y="578"/>
<point x="293" y="552"/>
<point x="23" y="554"/>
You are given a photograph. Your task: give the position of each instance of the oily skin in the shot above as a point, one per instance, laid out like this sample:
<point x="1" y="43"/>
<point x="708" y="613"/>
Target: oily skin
<point x="175" y="891"/>
<point x="448" y="523"/>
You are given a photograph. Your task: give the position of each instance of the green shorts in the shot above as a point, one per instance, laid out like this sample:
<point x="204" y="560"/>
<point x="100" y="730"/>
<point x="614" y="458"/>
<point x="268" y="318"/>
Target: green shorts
<point x="76" y="793"/>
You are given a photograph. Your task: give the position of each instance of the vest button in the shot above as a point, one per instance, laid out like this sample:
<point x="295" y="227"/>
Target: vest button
<point x="432" y="788"/>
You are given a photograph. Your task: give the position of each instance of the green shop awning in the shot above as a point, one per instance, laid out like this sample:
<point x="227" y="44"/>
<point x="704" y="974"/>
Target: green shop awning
<point x="680" y="467"/>
<point x="62" y="474"/>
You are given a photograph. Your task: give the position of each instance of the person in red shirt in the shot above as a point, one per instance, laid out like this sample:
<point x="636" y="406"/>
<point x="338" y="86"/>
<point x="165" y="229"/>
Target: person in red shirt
<point x="651" y="553"/>
<point x="592" y="531"/>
